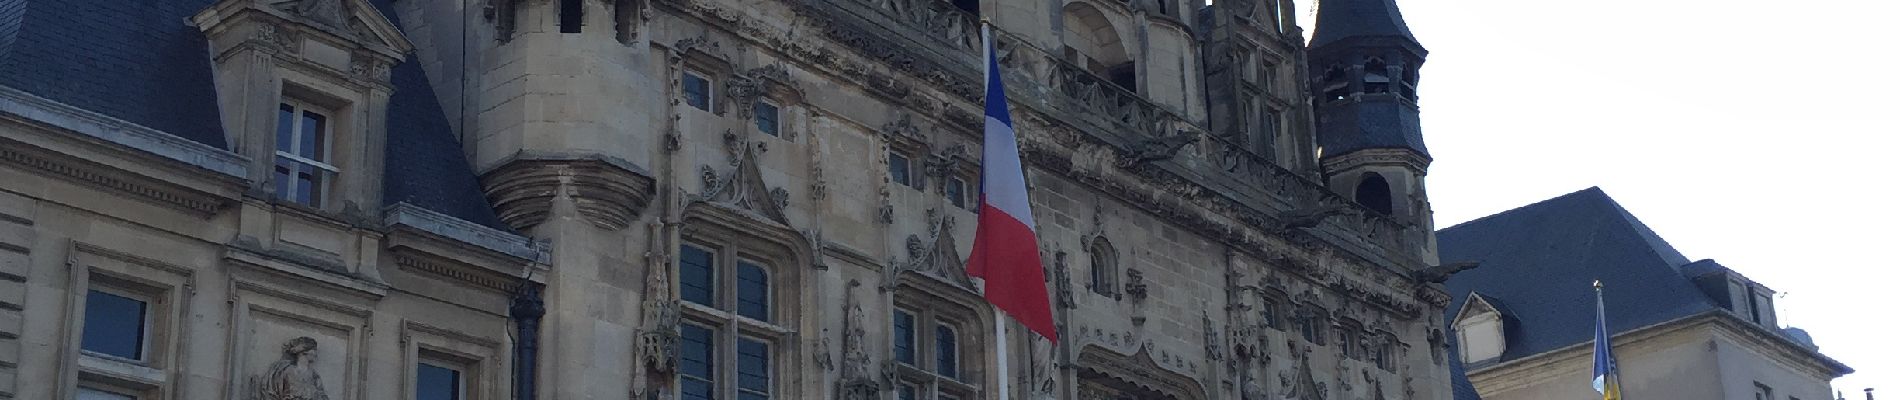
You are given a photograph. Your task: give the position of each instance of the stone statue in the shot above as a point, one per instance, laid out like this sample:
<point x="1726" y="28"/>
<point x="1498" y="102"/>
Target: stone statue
<point x="294" y="377"/>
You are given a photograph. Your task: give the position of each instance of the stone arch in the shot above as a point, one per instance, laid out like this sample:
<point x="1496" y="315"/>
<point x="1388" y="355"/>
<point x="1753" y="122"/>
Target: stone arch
<point x="1090" y="40"/>
<point x="1374" y="193"/>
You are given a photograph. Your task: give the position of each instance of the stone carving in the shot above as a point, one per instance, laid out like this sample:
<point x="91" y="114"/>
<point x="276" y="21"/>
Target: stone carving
<point x="293" y="377"/>
<point x="937" y="19"/>
<point x="935" y="257"/>
<point x="1440" y="273"/>
<point x="1156" y="149"/>
<point x="855" y="382"/>
<point x="1210" y="338"/>
<point x="821" y="355"/>
<point x="744" y="187"/>
<point x="327" y="12"/>
<point x="1065" y="296"/>
<point x="659" y="311"/>
<point x="746" y="88"/>
<point x="1042" y="371"/>
<point x="1437" y="341"/>
<point x="1136" y="288"/>
<point x="365" y="67"/>
<point x="1311" y="216"/>
<point x="902" y="129"/>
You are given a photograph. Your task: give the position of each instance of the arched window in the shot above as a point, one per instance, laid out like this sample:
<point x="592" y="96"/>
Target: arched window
<point x="1102" y="267"/>
<point x="1090" y="42"/>
<point x="1374" y="193"/>
<point x="1334" y="84"/>
<point x="1377" y="78"/>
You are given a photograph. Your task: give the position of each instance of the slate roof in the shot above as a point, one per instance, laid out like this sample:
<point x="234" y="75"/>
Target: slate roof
<point x="141" y="61"/>
<point x="1340" y="19"/>
<point x="137" y="61"/>
<point x="1567" y="242"/>
<point x="1370" y="125"/>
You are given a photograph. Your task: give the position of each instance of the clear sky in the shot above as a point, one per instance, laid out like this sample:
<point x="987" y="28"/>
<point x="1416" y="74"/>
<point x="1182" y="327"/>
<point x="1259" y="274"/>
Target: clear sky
<point x="1762" y="134"/>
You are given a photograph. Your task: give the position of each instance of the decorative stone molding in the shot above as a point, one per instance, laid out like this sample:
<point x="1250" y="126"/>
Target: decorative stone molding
<point x="1141" y="369"/>
<point x="448" y="269"/>
<point x="112" y="179"/>
<point x="743" y="187"/>
<point x="936" y="257"/>
<point x="855" y="382"/>
<point x="747" y="87"/>
<point x="1155" y="149"/>
<point x="1065" y="294"/>
<point x="609" y="193"/>
<point x="409" y="216"/>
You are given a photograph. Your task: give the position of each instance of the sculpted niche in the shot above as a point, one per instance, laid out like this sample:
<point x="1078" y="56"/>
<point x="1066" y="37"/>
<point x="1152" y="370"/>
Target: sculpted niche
<point x="293" y="377"/>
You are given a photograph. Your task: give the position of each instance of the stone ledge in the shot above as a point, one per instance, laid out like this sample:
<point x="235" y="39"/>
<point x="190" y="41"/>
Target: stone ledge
<point x="124" y="133"/>
<point x="439" y="224"/>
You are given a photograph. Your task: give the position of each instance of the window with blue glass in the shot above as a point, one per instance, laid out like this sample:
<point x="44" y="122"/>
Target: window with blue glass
<point x="755" y="370"/>
<point x="946" y="351"/>
<point x="904" y="336"/>
<point x="958" y="192"/>
<point x="906" y="392"/>
<point x="303" y="160"/>
<point x="900" y="169"/>
<point x="727" y="336"/>
<point x="755" y="292"/>
<point x="115" y="325"/>
<point x="697" y="275"/>
<point x="765" y="116"/>
<point x="438" y="382"/>
<point x="697" y="361"/>
<point x="696" y="90"/>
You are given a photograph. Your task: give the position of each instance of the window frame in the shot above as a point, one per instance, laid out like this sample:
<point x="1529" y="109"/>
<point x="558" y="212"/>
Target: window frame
<point x="710" y="98"/>
<point x="963" y="195"/>
<point x="929" y="311"/>
<point x="461" y="371"/>
<point x="1104" y="268"/>
<point x="146" y="324"/>
<point x="727" y="323"/>
<point x="166" y="290"/>
<point x="778" y="117"/>
<point x="912" y="179"/>
<point x="326" y="172"/>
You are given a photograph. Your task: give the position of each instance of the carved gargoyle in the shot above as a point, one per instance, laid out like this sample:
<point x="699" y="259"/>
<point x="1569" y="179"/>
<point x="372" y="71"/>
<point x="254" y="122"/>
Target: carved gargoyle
<point x="1440" y="273"/>
<point x="1312" y="216"/>
<point x="1156" y="149"/>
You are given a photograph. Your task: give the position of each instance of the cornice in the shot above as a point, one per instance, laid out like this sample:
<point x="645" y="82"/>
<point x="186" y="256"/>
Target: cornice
<point x="1543" y="367"/>
<point x="130" y="136"/>
<point x="405" y="215"/>
<point x="78" y="170"/>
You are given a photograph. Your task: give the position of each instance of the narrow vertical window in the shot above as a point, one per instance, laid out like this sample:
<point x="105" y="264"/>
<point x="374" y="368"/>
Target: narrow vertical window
<point x="1102" y="268"/>
<point x="303" y="146"/>
<point x="754" y="292"/>
<point x="696" y="362"/>
<point x="946" y="351"/>
<point x="904" y="336"/>
<point x="696" y="90"/>
<point x="571" y="16"/>
<point x="1347" y="343"/>
<point x="765" y="116"/>
<point x="954" y="189"/>
<point x="1270" y="314"/>
<point x="900" y="169"/>
<point x="434" y="382"/>
<point x="115" y="325"/>
<point x="755" y="372"/>
<point x="696" y="275"/>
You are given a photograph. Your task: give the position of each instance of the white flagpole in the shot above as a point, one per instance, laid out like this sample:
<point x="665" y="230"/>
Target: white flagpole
<point x="1002" y="334"/>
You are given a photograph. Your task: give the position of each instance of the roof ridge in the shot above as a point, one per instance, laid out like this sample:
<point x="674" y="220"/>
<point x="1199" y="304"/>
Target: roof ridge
<point x="1517" y="209"/>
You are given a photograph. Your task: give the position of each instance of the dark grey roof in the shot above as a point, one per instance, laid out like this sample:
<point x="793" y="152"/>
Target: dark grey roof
<point x="1565" y="243"/>
<point x="423" y="164"/>
<point x="1370" y="125"/>
<point x="138" y="61"/>
<point x="1340" y="19"/>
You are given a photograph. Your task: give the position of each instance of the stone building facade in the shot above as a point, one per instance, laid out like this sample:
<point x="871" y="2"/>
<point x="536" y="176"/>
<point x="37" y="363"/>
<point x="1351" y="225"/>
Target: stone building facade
<point x="685" y="199"/>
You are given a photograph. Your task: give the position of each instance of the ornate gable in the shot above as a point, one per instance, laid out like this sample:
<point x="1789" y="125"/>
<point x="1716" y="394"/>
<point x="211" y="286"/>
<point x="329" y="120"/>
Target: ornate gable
<point x="743" y="187"/>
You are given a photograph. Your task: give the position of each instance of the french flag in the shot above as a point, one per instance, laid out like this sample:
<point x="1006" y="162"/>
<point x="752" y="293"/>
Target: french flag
<point x="1004" y="253"/>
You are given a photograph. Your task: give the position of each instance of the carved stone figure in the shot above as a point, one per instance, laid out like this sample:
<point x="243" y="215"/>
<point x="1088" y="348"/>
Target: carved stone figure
<point x="1157" y="149"/>
<point x="327" y="12"/>
<point x="855" y="381"/>
<point x="294" y="377"/>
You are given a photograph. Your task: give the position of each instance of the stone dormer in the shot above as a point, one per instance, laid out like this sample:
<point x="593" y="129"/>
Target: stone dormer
<point x="1480" y="331"/>
<point x="303" y="87"/>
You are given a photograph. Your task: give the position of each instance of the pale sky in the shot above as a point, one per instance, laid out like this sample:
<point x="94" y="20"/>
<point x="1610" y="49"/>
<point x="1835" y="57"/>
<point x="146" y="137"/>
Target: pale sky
<point x="1762" y="134"/>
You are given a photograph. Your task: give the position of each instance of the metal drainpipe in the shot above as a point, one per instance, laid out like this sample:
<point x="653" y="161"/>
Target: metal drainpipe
<point x="526" y="309"/>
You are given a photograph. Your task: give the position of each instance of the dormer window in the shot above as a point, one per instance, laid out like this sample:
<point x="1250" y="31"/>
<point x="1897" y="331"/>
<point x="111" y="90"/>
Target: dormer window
<point x="303" y="153"/>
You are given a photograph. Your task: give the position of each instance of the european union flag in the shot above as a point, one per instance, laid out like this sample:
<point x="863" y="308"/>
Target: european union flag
<point x="1606" y="381"/>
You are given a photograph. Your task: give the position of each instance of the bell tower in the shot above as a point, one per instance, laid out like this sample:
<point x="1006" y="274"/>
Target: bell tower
<point x="1362" y="69"/>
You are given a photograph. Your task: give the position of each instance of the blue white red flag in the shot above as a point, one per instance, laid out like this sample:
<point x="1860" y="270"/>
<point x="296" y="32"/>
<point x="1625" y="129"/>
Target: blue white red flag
<point x="1004" y="253"/>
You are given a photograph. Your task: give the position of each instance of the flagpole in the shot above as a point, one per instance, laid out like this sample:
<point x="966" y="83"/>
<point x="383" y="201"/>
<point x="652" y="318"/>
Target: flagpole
<point x="1002" y="334"/>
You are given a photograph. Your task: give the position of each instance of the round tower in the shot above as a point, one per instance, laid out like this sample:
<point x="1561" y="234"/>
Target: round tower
<point x="1363" y="68"/>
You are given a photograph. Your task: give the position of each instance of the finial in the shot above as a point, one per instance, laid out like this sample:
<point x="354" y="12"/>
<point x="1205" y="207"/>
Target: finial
<point x="1597" y="284"/>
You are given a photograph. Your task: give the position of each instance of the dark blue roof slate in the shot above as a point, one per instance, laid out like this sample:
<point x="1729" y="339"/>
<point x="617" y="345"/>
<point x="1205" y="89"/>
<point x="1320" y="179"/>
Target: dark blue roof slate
<point x="1340" y="19"/>
<point x="1370" y="125"/>
<point x="137" y="61"/>
<point x="423" y="164"/>
<point x="1566" y="243"/>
